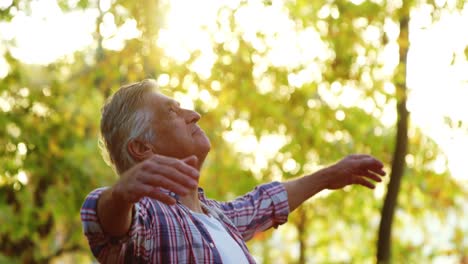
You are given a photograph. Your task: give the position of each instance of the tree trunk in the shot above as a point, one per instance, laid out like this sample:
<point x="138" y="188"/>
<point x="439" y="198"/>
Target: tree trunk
<point x="398" y="163"/>
<point x="301" y="226"/>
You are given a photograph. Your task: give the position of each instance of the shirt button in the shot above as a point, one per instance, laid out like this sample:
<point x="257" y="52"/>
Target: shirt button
<point x="212" y="245"/>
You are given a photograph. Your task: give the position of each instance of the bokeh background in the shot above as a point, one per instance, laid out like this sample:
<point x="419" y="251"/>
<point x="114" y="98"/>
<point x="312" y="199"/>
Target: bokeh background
<point x="283" y="87"/>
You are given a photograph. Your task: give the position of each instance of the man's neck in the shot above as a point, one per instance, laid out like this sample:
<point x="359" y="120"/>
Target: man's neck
<point x="192" y="201"/>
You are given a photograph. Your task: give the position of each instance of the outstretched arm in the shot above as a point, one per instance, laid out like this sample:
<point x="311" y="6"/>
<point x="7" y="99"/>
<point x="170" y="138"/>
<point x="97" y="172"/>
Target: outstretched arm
<point x="353" y="169"/>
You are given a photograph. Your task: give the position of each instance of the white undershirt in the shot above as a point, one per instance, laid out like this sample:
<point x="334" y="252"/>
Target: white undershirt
<point x="227" y="247"/>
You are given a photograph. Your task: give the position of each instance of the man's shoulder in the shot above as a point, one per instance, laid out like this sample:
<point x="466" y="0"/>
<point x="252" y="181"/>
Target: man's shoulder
<point x="92" y="198"/>
<point x="145" y="203"/>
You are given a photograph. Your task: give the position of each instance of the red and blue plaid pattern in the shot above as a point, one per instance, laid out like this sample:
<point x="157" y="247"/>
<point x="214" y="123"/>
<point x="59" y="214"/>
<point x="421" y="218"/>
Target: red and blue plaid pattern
<point x="170" y="234"/>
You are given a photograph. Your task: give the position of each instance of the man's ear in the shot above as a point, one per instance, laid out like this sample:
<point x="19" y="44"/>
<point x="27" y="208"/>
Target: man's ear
<point x="139" y="150"/>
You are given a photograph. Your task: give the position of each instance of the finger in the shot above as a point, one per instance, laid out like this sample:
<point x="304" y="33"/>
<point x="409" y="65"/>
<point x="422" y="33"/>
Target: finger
<point x="192" y="161"/>
<point x="151" y="192"/>
<point x="174" y="175"/>
<point x="364" y="182"/>
<point x="371" y="175"/>
<point x="168" y="171"/>
<point x="178" y="164"/>
<point x="377" y="170"/>
<point x="169" y="183"/>
<point x="155" y="193"/>
<point x="381" y="172"/>
<point x="371" y="163"/>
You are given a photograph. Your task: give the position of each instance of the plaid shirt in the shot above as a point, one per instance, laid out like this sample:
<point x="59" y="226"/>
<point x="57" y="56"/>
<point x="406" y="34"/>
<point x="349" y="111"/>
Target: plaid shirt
<point x="170" y="234"/>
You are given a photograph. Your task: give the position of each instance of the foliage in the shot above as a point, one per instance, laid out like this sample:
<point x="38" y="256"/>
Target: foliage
<point x="268" y="119"/>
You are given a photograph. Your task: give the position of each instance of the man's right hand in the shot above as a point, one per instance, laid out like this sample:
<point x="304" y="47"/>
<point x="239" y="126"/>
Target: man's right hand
<point x="145" y="180"/>
<point x="147" y="177"/>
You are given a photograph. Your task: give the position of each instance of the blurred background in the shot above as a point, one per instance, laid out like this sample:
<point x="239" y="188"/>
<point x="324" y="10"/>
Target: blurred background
<point x="284" y="88"/>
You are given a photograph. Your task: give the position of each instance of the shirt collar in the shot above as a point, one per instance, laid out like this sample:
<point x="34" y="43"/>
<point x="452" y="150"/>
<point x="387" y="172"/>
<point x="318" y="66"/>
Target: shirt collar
<point x="201" y="194"/>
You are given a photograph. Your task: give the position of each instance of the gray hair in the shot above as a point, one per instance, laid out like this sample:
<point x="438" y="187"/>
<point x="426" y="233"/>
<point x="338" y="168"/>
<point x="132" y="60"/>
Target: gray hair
<point x="124" y="117"/>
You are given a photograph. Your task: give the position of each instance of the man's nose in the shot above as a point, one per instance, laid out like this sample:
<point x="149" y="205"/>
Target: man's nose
<point x="192" y="116"/>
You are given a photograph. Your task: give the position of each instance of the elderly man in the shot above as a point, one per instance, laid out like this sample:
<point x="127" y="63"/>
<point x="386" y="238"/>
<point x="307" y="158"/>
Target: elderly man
<point x="156" y="213"/>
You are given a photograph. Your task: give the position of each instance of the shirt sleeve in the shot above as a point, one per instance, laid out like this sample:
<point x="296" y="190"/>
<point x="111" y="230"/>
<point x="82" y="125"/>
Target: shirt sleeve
<point x="108" y="249"/>
<point x="264" y="207"/>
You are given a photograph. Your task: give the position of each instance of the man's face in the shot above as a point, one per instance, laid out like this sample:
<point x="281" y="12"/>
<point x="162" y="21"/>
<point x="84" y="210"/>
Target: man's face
<point x="176" y="131"/>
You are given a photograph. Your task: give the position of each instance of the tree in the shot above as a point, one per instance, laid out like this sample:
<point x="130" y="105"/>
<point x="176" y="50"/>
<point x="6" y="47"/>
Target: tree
<point x="401" y="142"/>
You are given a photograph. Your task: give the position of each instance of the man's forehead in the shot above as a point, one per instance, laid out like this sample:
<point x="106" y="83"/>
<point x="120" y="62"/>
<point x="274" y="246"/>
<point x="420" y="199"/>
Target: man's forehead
<point x="163" y="99"/>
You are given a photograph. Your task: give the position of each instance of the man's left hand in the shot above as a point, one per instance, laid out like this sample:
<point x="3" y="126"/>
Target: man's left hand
<point x="355" y="169"/>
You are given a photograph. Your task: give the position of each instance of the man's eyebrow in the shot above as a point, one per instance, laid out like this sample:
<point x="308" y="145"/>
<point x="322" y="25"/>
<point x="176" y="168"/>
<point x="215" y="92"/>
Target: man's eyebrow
<point x="172" y="102"/>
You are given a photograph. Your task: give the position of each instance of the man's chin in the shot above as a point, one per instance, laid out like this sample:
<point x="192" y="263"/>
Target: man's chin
<point x="203" y="150"/>
<point x="205" y="145"/>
